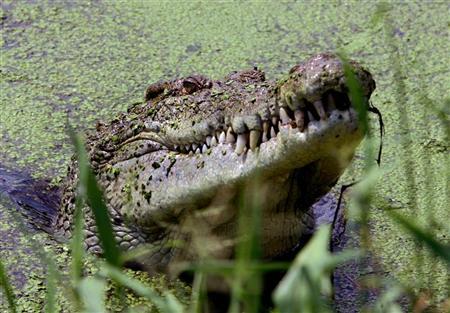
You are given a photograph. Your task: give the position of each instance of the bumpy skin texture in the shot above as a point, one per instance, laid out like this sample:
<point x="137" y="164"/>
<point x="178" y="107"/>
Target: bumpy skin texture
<point x="173" y="167"/>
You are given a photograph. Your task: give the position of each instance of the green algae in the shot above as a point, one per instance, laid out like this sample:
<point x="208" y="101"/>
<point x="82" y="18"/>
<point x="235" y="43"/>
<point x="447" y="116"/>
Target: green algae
<point x="32" y="297"/>
<point x="86" y="61"/>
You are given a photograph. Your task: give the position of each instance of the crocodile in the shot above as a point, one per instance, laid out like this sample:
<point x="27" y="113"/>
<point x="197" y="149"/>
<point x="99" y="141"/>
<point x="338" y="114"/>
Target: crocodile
<point x="173" y="167"/>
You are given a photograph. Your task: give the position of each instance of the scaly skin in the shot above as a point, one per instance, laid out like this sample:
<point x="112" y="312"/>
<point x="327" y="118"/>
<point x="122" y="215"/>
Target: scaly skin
<point x="173" y="166"/>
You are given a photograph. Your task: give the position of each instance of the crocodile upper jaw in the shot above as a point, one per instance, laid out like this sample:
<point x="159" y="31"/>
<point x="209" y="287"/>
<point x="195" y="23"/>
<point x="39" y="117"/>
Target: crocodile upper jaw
<point x="333" y="141"/>
<point x="294" y="167"/>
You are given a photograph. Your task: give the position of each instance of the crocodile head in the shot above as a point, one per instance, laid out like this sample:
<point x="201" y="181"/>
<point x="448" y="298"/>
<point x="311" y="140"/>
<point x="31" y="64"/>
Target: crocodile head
<point x="174" y="166"/>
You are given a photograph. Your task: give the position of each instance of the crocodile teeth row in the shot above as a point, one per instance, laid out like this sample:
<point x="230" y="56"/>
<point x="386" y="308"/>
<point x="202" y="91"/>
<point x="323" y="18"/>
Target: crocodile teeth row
<point x="251" y="139"/>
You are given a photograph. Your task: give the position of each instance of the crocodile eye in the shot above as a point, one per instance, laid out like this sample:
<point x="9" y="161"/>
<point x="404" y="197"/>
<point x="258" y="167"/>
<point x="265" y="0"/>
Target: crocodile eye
<point x="195" y="83"/>
<point x="190" y="86"/>
<point x="154" y="90"/>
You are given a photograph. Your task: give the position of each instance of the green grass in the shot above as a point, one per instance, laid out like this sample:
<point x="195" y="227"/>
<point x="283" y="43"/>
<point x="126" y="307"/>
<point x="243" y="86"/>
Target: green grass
<point x="7" y="289"/>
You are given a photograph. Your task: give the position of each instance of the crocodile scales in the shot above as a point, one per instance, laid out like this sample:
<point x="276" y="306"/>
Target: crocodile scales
<point x="175" y="163"/>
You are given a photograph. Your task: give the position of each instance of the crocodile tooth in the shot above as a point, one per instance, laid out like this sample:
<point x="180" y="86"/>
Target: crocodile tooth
<point x="264" y="137"/>
<point x="254" y="139"/>
<point x="300" y="119"/>
<point x="204" y="148"/>
<point x="310" y="116"/>
<point x="188" y="148"/>
<point x="331" y="103"/>
<point x="266" y="126"/>
<point x="312" y="112"/>
<point x="284" y="116"/>
<point x="280" y="124"/>
<point x="240" y="144"/>
<point x="208" y="141"/>
<point x="176" y="147"/>
<point x="197" y="151"/>
<point x="273" y="134"/>
<point x="230" y="136"/>
<point x="222" y="137"/>
<point x="194" y="146"/>
<point x="318" y="105"/>
<point x="266" y="131"/>
<point x="213" y="141"/>
<point x="275" y="120"/>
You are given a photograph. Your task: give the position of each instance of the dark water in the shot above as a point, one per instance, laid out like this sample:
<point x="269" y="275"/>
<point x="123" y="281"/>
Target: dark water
<point x="36" y="199"/>
<point x="21" y="195"/>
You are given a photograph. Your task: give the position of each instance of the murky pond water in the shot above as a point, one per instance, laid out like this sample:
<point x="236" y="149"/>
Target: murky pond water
<point x="87" y="61"/>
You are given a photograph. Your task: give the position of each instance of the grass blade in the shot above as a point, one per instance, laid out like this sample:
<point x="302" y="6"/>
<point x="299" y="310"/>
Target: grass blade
<point x="77" y="247"/>
<point x="356" y="93"/>
<point x="50" y="294"/>
<point x="5" y="284"/>
<point x="247" y="283"/>
<point x="307" y="281"/>
<point x="199" y="293"/>
<point x="92" y="294"/>
<point x="77" y="243"/>
<point x="93" y="195"/>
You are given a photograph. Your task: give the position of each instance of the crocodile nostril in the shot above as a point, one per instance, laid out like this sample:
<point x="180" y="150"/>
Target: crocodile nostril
<point x="320" y="109"/>
<point x="284" y="116"/>
<point x="266" y="131"/>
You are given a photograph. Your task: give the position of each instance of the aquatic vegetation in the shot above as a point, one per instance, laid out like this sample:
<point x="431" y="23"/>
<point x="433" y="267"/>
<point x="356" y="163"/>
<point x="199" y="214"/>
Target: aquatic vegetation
<point x="90" y="61"/>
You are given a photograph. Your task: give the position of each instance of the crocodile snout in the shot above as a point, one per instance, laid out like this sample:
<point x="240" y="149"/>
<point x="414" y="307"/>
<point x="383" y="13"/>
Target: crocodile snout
<point x="177" y="156"/>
